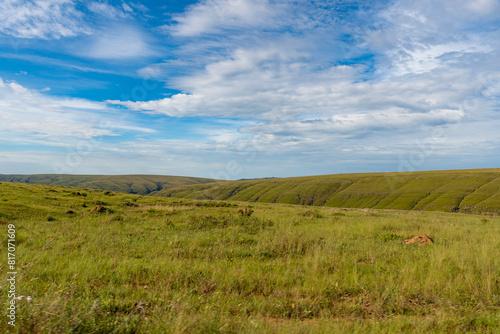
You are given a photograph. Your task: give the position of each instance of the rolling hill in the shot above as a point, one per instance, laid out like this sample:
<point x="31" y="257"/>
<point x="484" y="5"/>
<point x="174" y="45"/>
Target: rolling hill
<point x="468" y="191"/>
<point x="134" y="184"/>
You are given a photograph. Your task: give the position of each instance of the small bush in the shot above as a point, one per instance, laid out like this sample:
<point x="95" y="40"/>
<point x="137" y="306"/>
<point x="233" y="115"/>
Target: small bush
<point x="246" y="212"/>
<point x="100" y="209"/>
<point x="127" y="203"/>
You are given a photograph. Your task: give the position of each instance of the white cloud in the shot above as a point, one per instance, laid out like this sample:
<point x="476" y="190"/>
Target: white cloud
<point x="29" y="116"/>
<point x="210" y="16"/>
<point x="108" y="11"/>
<point x="484" y="7"/>
<point x="425" y="58"/>
<point x="107" y="32"/>
<point x="279" y="84"/>
<point x="356" y="124"/>
<point x="116" y="42"/>
<point x="65" y="64"/>
<point x="127" y="8"/>
<point x="272" y="77"/>
<point x="419" y="36"/>
<point x="41" y="19"/>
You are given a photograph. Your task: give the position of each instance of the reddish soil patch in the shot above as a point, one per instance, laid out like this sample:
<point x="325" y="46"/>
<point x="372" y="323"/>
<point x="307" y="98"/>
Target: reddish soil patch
<point x="420" y="240"/>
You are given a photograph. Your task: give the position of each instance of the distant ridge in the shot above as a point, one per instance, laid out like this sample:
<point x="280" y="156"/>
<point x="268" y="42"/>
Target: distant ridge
<point x="134" y="184"/>
<point x="468" y="191"/>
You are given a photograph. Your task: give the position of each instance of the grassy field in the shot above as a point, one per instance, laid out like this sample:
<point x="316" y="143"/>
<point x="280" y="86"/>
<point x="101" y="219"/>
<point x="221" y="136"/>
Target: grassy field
<point x="102" y="262"/>
<point x="135" y="184"/>
<point x="468" y="191"/>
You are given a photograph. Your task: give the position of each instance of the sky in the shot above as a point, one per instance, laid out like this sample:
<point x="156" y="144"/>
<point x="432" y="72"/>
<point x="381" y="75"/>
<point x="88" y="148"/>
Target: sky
<point x="233" y="89"/>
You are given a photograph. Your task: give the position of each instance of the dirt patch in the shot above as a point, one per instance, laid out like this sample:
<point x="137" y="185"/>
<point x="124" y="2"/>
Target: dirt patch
<point x="420" y="240"/>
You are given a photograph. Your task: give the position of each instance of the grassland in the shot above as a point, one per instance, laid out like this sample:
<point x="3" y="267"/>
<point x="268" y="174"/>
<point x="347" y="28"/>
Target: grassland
<point x="134" y="184"/>
<point x="142" y="264"/>
<point x="467" y="191"/>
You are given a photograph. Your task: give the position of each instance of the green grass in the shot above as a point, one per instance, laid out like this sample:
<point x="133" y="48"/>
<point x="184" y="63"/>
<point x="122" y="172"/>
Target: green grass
<point x="467" y="191"/>
<point x="164" y="265"/>
<point x="135" y="184"/>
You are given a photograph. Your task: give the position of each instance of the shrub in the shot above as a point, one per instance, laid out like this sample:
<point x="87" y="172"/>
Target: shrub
<point x="100" y="209"/>
<point x="246" y="212"/>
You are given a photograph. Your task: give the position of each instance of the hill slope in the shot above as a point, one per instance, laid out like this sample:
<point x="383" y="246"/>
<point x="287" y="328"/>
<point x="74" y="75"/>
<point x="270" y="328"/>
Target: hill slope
<point x="134" y="184"/>
<point x="461" y="190"/>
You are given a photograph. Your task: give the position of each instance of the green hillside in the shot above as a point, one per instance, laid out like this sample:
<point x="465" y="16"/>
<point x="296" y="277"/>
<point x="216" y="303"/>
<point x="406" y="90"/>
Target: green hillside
<point x="134" y="184"/>
<point x="468" y="191"/>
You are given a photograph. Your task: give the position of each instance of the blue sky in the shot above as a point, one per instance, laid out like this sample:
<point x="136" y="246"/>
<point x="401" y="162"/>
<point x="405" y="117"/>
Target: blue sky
<point x="241" y="89"/>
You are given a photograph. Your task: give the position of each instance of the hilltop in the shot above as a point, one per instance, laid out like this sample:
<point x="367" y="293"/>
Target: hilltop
<point x="468" y="191"/>
<point x="134" y="184"/>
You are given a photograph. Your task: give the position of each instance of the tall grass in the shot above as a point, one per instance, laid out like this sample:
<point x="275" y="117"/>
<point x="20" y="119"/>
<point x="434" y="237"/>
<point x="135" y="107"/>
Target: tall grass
<point x="179" y="266"/>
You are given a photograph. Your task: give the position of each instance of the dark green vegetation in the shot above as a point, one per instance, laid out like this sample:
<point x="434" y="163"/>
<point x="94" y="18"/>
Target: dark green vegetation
<point x="134" y="184"/>
<point x="101" y="262"/>
<point x="467" y="191"/>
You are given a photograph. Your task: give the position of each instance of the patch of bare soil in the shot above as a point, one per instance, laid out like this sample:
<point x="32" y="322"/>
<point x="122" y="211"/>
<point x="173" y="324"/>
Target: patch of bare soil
<point x="420" y="240"/>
